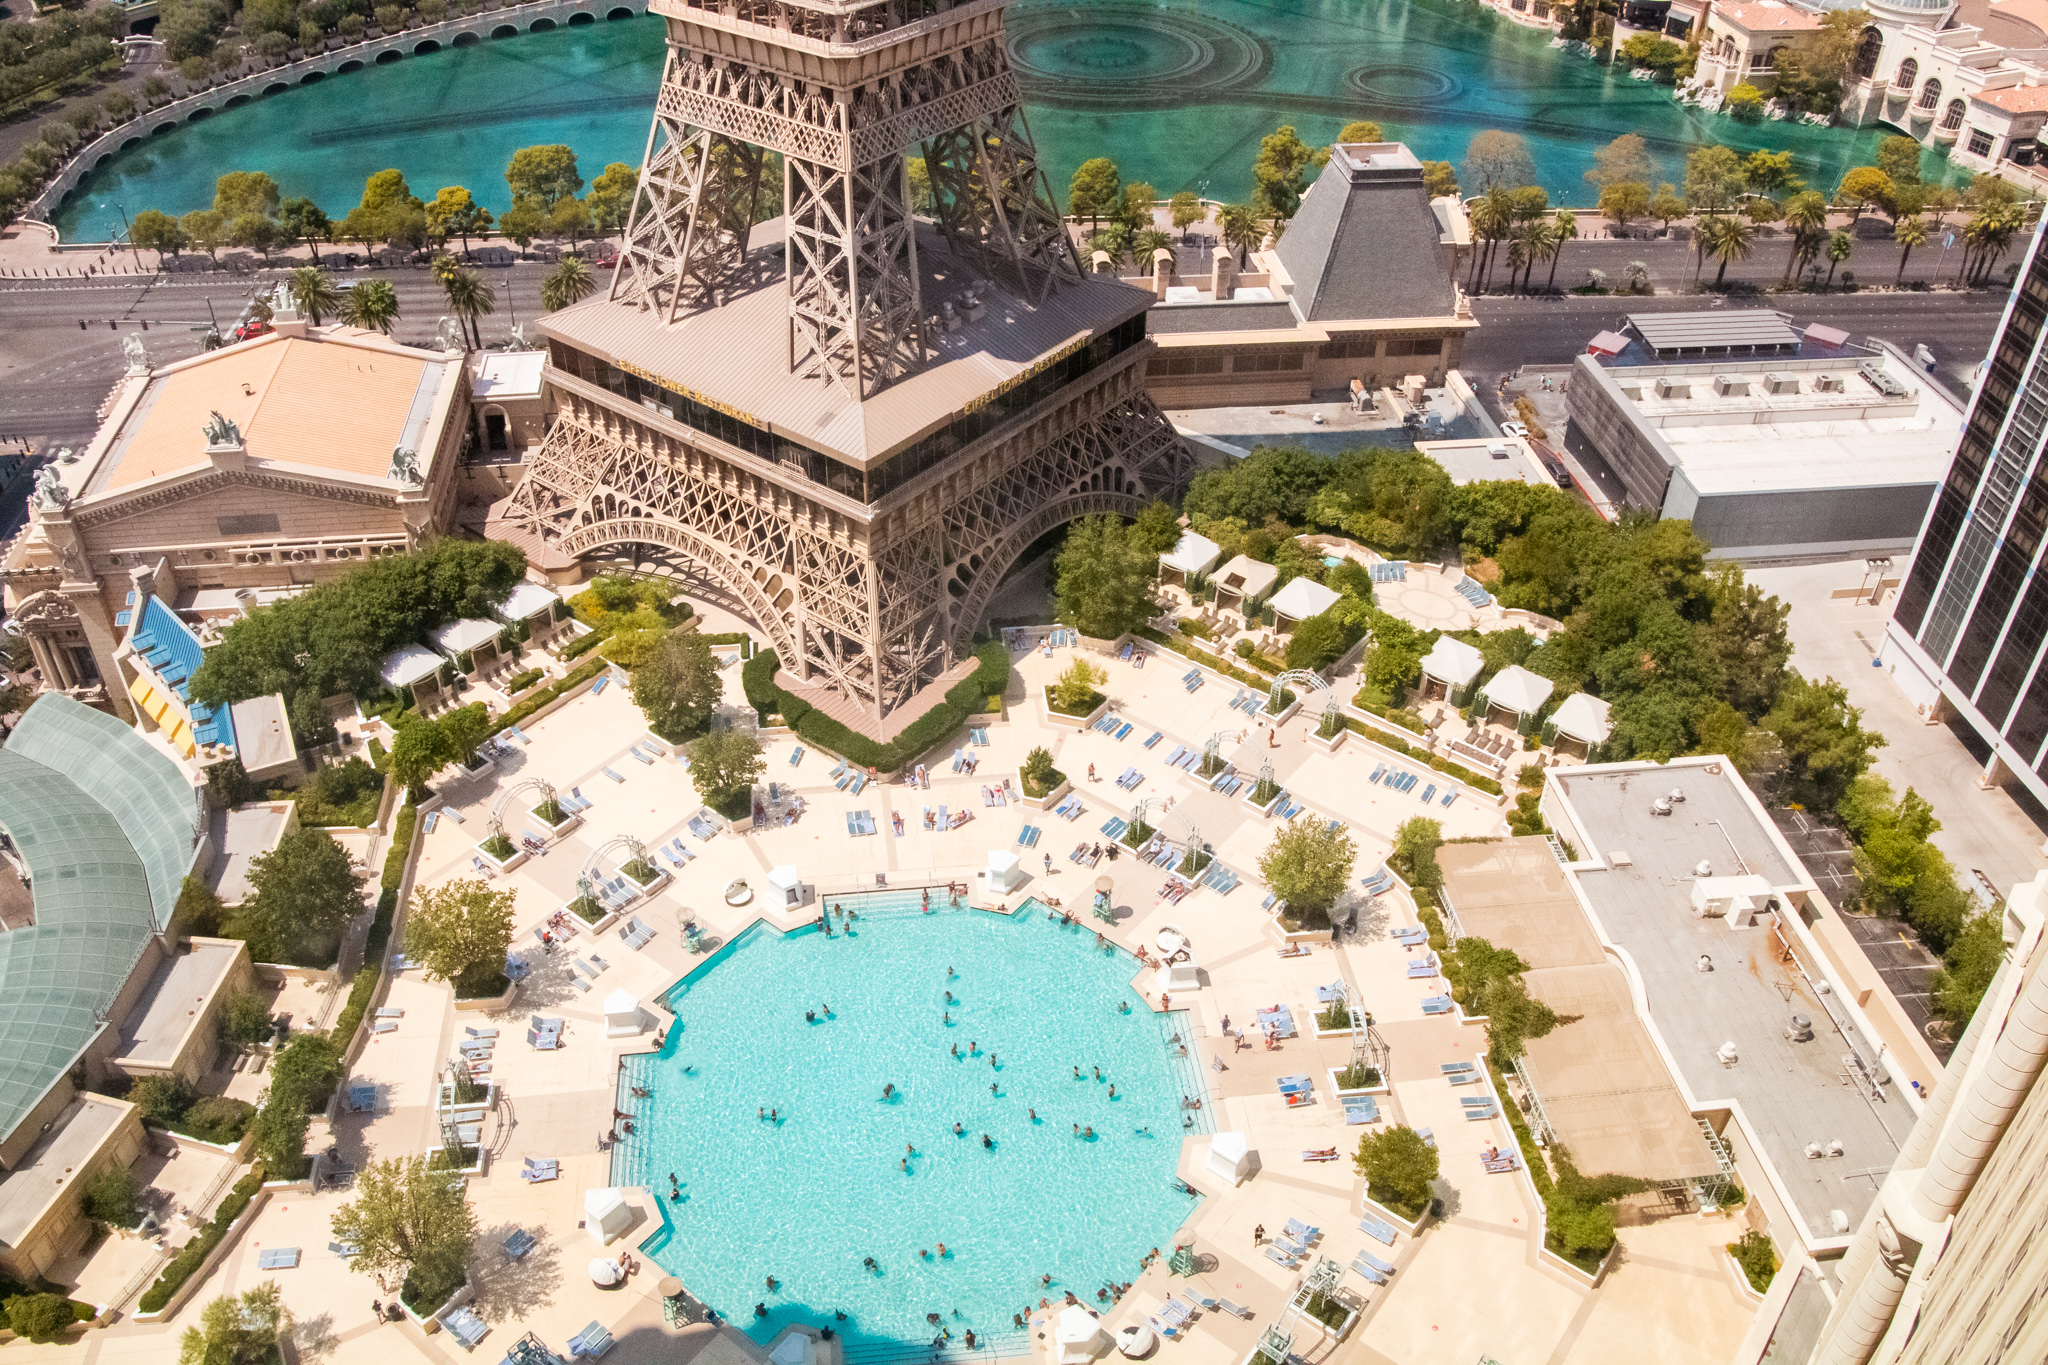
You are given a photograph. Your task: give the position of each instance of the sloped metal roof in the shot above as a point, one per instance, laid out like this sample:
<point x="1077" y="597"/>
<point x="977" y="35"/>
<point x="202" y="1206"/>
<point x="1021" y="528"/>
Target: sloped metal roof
<point x="106" y="825"/>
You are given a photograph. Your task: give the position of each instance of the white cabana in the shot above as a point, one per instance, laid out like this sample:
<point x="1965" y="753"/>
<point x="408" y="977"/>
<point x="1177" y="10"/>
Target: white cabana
<point x="466" y="633"/>
<point x="1177" y="969"/>
<point x="1518" y="691"/>
<point x="1584" y="718"/>
<point x="622" y="1016"/>
<point x="1078" y="1336"/>
<point x="409" y="664"/>
<point x="525" y="600"/>
<point x="1299" y="600"/>
<point x="605" y="1214"/>
<point x="1452" y="665"/>
<point x="1194" y="554"/>
<point x="788" y="891"/>
<point x="1230" y="1157"/>
<point x="1242" y="580"/>
<point x="1005" y="873"/>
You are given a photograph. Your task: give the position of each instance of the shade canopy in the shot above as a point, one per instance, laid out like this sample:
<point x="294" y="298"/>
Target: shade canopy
<point x="1301" y="599"/>
<point x="1583" y="717"/>
<point x="1516" y="689"/>
<point x="1452" y="662"/>
<point x="407" y="665"/>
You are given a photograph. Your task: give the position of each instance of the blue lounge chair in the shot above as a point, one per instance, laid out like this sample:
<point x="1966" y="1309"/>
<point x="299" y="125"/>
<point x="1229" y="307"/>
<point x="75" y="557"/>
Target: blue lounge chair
<point x="1436" y="1004"/>
<point x="1377" y="1229"/>
<point x="278" y="1258"/>
<point x="1275" y="1252"/>
<point x="519" y="1243"/>
<point x="1359" y="1264"/>
<point x="465" y="1326"/>
<point x="612" y="775"/>
<point x="1300" y="1231"/>
<point x="602" y="684"/>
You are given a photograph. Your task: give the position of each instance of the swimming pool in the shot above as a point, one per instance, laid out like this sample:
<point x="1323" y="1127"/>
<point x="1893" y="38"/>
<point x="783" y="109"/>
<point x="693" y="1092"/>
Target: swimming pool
<point x="809" y="1196"/>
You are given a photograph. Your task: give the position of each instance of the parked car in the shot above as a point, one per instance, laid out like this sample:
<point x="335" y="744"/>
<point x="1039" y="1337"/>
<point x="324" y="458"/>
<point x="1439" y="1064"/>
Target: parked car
<point x="1514" y="429"/>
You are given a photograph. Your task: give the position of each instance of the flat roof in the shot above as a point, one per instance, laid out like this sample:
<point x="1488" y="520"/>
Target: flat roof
<point x="263" y="733"/>
<point x="337" y="399"/>
<point x="240" y="835"/>
<point x="1636" y="881"/>
<point x="177" y="995"/>
<point x="1719" y="329"/>
<point x="1488" y="459"/>
<point x="506" y="374"/>
<point x="30" y="1189"/>
<point x="737" y="357"/>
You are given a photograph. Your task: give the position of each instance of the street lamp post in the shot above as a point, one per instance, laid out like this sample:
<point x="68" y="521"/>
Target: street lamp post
<point x="132" y="250"/>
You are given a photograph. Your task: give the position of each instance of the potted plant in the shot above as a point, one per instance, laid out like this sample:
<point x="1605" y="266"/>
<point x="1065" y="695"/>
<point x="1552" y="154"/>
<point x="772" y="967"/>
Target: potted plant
<point x="1040" y="782"/>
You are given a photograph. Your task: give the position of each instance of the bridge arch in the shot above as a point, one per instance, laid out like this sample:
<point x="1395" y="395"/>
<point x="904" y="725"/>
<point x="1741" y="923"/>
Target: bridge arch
<point x="423" y="47"/>
<point x="766" y="594"/>
<point x="312" y="78"/>
<point x="972" y="583"/>
<point x="237" y="101"/>
<point x="581" y="17"/>
<point x="505" y="31"/>
<point x="390" y="55"/>
<point x="352" y="64"/>
<point x="467" y="39"/>
<point x="541" y="26"/>
<point x="621" y="12"/>
<point x="276" y="88"/>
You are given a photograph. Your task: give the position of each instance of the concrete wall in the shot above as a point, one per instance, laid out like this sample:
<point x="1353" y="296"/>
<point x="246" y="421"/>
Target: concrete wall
<point x="1848" y="521"/>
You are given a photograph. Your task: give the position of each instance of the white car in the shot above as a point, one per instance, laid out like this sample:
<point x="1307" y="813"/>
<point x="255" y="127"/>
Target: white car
<point x="1513" y="429"/>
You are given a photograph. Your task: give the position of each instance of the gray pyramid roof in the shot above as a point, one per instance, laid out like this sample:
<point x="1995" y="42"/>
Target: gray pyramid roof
<point x="1365" y="243"/>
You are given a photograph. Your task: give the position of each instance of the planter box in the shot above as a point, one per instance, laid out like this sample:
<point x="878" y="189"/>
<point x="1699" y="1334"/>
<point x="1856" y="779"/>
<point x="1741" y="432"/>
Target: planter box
<point x="1285" y="714"/>
<point x="1337" y="1333"/>
<point x="1334" y="1072"/>
<point x="501" y="864"/>
<point x="552" y="833"/>
<point x="1333" y="743"/>
<point x="645" y="890"/>
<point x="1061" y="719"/>
<point x="1738" y="1279"/>
<point x="432" y="1321"/>
<point x="489" y="1101"/>
<point x="1046" y="802"/>
<point x="483" y="1159"/>
<point x="1378" y="1210"/>
<point x="1267" y="809"/>
<point x="591" y="927"/>
<point x="483" y="767"/>
<point x="485" y="1003"/>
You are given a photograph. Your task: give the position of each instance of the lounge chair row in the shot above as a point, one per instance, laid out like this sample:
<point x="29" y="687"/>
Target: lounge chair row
<point x="1028" y="836"/>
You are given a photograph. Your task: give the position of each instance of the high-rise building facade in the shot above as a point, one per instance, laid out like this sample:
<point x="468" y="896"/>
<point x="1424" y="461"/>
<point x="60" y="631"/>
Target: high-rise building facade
<point x="1968" y="629"/>
<point x="1950" y="1267"/>
<point x="849" y="421"/>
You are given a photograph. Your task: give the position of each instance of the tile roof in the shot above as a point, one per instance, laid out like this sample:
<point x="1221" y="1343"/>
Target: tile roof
<point x="1766" y="16"/>
<point x="339" y="400"/>
<point x="1365" y="243"/>
<point x="2016" y="99"/>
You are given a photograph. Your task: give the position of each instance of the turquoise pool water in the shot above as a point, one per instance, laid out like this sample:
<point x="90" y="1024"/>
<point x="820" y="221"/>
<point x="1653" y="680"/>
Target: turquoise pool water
<point x="1179" y="92"/>
<point x="808" y="1197"/>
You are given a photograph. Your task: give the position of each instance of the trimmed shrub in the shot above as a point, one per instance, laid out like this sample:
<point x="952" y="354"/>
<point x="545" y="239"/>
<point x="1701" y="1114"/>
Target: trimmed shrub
<point x="193" y="1254"/>
<point x="577" y="676"/>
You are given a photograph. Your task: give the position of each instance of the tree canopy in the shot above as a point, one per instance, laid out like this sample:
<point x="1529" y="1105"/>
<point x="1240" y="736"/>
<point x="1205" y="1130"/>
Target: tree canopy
<point x="1307" y="865"/>
<point x="303" y="894"/>
<point x="1104" y="576"/>
<point x="459" y="931"/>
<point x="407" y="1217"/>
<point x="546" y="172"/>
<point x="677" y="686"/>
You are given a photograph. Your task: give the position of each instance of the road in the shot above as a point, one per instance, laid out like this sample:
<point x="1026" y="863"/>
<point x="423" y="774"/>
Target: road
<point x="54" y="374"/>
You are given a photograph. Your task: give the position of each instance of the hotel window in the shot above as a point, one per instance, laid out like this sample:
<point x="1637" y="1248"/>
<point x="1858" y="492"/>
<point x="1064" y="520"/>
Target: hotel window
<point x="1416" y="346"/>
<point x="1350" y="348"/>
<point x="1930" y="94"/>
<point x="1170" y="366"/>
<point x="1980" y="141"/>
<point x="1269" y="362"/>
<point x="1909" y="71"/>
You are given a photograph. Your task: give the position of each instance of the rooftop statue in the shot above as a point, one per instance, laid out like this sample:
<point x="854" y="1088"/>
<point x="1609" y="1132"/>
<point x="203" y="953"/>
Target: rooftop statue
<point x="222" y="432"/>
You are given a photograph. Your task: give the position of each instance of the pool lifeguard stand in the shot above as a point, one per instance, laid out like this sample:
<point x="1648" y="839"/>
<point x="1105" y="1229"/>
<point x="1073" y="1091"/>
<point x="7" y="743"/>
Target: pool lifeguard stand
<point x="1005" y="874"/>
<point x="788" y="891"/>
<point x="1230" y="1157"/>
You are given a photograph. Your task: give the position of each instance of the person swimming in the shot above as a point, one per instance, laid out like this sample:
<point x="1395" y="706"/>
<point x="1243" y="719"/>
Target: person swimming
<point x="760" y="1310"/>
<point x="869" y="1262"/>
<point x="810" y="1016"/>
<point x="1077" y="1073"/>
<point x="889" y="1090"/>
<point x="957" y="1129"/>
<point x="991" y="1090"/>
<point x="1088" y="1132"/>
<point x="771" y="1284"/>
<point x="950" y="1000"/>
<point x="1034" y="1115"/>
<point x="987" y="1141"/>
<point x="1112" y="1092"/>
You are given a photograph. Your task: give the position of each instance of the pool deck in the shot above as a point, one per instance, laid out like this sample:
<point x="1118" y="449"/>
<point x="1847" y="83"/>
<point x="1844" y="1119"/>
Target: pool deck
<point x="1470" y="1285"/>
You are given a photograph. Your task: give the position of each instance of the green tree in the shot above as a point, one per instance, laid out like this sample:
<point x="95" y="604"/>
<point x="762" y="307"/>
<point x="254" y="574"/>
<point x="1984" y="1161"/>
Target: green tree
<point x="1826" y="746"/>
<point x="1075" y="687"/>
<point x="245" y="1019"/>
<point x="407" y="1218"/>
<point x="1727" y="239"/>
<point x="1134" y="207"/>
<point x="1241" y="228"/>
<point x="1397" y="501"/>
<point x="301" y="220"/>
<point x="110" y="1197"/>
<point x="1898" y="158"/>
<point x="460" y="932"/>
<point x="1768" y="172"/>
<point x="1744" y="102"/>
<point x="1626" y="158"/>
<point x="547" y="172"/>
<point x="1747" y="632"/>
<point x="611" y="197"/>
<point x="236" y="1330"/>
<point x="243" y="192"/>
<point x="524" y="221"/>
<point x="303" y="894"/>
<point x="567" y="283"/>
<point x="1308" y="865"/>
<point x="1104" y="578"/>
<point x="1972" y="959"/>
<point x="156" y="231"/>
<point x="1156" y="528"/>
<point x="1841" y="30"/>
<point x="1840" y="247"/>
<point x="1361" y="130"/>
<point x="1498" y="160"/>
<point x="1281" y="171"/>
<point x="1413" y="856"/>
<point x="1909" y="233"/>
<point x="419" y="749"/>
<point x="206" y="230"/>
<point x="570" y="218"/>
<point x="387" y="190"/>
<point x="465" y="728"/>
<point x="1095" y="190"/>
<point x="1667" y="206"/>
<point x="257" y="233"/>
<point x="1439" y="178"/>
<point x="1399" y="1169"/>
<point x="372" y="305"/>
<point x="312" y="289"/>
<point x="278" y="1132"/>
<point x="724" y="764"/>
<point x="454" y="213"/>
<point x="678" y="686"/>
<point x="1806" y="214"/>
<point x="1713" y="177"/>
<point x="469" y="298"/>
<point x="1186" y="210"/>
<point x="40" y="1317"/>
<point x="1866" y="187"/>
<point x="1622" y="200"/>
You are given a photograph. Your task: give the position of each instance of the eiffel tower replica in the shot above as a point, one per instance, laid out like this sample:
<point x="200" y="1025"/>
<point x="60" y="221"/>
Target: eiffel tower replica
<point x="849" y="422"/>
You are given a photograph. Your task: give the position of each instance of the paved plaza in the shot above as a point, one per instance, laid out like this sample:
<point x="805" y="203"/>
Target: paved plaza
<point x="1469" y="1285"/>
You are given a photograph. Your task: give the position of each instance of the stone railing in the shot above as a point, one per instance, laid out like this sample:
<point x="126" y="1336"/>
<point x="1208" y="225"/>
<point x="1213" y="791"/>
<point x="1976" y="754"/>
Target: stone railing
<point x="465" y="31"/>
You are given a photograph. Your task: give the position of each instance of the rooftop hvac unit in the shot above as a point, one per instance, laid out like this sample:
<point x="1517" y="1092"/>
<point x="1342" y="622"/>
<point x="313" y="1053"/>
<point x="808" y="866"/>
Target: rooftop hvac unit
<point x="1632" y="392"/>
<point x="1800" y="1030"/>
<point x="1703" y="868"/>
<point x="1728" y="1054"/>
<point x="1673" y="388"/>
<point x="1780" y="383"/>
<point x="1877" y="377"/>
<point x="1827" y="383"/>
<point x="1731" y="385"/>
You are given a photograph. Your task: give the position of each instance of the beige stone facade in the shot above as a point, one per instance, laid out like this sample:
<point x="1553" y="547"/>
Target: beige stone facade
<point x="267" y="466"/>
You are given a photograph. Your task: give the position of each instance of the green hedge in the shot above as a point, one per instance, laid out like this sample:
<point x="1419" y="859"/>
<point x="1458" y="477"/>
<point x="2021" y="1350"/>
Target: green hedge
<point x="583" y="644"/>
<point x="194" y="1252"/>
<point x="965" y="699"/>
<point x="1202" y="657"/>
<point x="583" y="672"/>
<point x="365" y="984"/>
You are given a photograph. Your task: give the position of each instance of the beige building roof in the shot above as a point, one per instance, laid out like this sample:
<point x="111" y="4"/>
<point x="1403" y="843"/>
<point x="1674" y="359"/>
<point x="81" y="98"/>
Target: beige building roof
<point x="30" y="1192"/>
<point x="1765" y="16"/>
<point x="2016" y="99"/>
<point x="338" y="399"/>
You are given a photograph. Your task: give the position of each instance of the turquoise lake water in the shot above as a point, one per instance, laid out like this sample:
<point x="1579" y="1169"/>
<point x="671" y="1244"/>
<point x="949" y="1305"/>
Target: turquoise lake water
<point x="1177" y="93"/>
<point x="810" y="1196"/>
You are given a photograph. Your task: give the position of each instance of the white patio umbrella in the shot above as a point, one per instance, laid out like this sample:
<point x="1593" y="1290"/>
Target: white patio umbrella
<point x="605" y="1271"/>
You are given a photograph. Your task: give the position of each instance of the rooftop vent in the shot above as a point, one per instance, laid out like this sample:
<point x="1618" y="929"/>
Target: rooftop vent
<point x="1827" y="383"/>
<point x="1677" y="794"/>
<point x="1661" y="806"/>
<point x="1673" y="388"/>
<point x="1781" y="383"/>
<point x="1838" y="1220"/>
<point x="1800" y="1030"/>
<point x="1731" y="385"/>
<point x="1703" y="868"/>
<point x="1620" y="858"/>
<point x="1498" y="450"/>
<point x="1728" y="1054"/>
<point x="1632" y="392"/>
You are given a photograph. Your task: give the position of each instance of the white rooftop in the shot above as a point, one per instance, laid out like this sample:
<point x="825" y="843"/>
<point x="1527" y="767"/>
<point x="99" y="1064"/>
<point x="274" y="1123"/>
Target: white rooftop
<point x="507" y="374"/>
<point x="1518" y="690"/>
<point x="1246" y="576"/>
<point x="1452" y="662"/>
<point x="1192" y="555"/>
<point x="526" y="599"/>
<point x="1302" y="598"/>
<point x="464" y="634"/>
<point x="1583" y="716"/>
<point x="408" y="664"/>
<point x="1489" y="458"/>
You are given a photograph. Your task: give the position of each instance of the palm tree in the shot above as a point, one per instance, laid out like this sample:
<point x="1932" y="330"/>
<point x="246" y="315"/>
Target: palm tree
<point x="1806" y="214"/>
<point x="1636" y="274"/>
<point x="1731" y="240"/>
<point x="1241" y="228"/>
<point x="470" y="298"/>
<point x="1910" y="232"/>
<point x="313" y="290"/>
<point x="1563" y="229"/>
<point x="569" y="281"/>
<point x="373" y="305"/>
<point x="1492" y="218"/>
<point x="1840" y="245"/>
<point x="1519" y="255"/>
